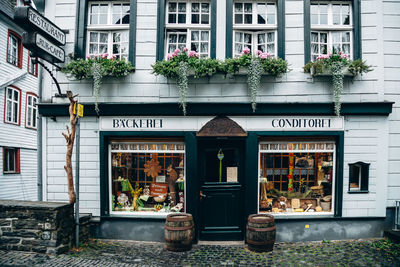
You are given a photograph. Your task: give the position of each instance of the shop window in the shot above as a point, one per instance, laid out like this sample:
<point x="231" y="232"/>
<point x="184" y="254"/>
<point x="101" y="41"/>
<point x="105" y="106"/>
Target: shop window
<point x="147" y="177"/>
<point x="31" y="111"/>
<point x="297" y="177"/>
<point x="14" y="49"/>
<point x="254" y="27"/>
<point x="188" y="25"/>
<point x="12" y="105"/>
<point x="358" y="177"/>
<point x="11" y="162"/>
<point x="332" y="27"/>
<point x="108" y="29"/>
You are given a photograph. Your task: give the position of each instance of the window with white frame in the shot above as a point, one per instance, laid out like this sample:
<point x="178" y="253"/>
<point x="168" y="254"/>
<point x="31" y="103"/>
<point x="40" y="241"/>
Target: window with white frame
<point x="255" y="27"/>
<point x="146" y="177"/>
<point x="108" y="28"/>
<point x="11" y="162"/>
<point x="188" y="25"/>
<point x="14" y="49"/>
<point x="331" y="28"/>
<point x="12" y="107"/>
<point x="32" y="66"/>
<point x="31" y="111"/>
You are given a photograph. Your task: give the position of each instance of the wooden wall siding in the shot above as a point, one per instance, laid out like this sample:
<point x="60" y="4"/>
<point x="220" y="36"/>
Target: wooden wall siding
<point x="22" y="186"/>
<point x="142" y="86"/>
<point x="380" y="47"/>
<point x="391" y="48"/>
<point x="14" y="135"/>
<point x="365" y="140"/>
<point x="89" y="166"/>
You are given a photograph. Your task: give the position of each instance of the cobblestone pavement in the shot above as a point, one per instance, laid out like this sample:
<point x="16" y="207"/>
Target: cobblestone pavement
<point x="370" y="252"/>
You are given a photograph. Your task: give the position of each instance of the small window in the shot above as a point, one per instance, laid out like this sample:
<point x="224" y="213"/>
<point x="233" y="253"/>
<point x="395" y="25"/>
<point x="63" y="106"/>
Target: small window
<point x="254" y="27"/>
<point x="14" y="49"/>
<point x="11" y="162"/>
<point x="188" y="26"/>
<point x="32" y="67"/>
<point x="358" y="177"/>
<point x="12" y="105"/>
<point x="108" y="29"/>
<point x="331" y="28"/>
<point x="31" y="111"/>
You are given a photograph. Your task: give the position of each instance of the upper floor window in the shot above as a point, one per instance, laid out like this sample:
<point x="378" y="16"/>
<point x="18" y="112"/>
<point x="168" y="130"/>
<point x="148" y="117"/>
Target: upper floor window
<point x="255" y="27"/>
<point x="31" y="110"/>
<point x="12" y="105"/>
<point x="331" y="28"/>
<point x="14" y="49"/>
<point x="11" y="162"/>
<point x="188" y="25"/>
<point x="32" y="67"/>
<point x="108" y="29"/>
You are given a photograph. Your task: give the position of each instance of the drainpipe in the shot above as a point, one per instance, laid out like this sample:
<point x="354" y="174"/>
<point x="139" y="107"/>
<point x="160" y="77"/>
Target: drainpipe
<point x="39" y="140"/>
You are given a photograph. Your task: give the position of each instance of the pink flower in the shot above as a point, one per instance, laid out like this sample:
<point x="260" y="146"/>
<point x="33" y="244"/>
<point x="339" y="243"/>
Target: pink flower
<point x="344" y="56"/>
<point x="105" y="55"/>
<point x="170" y="56"/>
<point x="197" y="55"/>
<point x="259" y="52"/>
<point x="88" y="57"/>
<point x="323" y="56"/>
<point x="112" y="57"/>
<point x="177" y="51"/>
<point x="192" y="53"/>
<point x="246" y="51"/>
<point x="185" y="49"/>
<point x="265" y="55"/>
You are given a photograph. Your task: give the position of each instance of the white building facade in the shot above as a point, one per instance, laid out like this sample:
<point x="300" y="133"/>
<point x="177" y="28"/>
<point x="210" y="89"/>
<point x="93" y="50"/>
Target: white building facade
<point x="140" y="133"/>
<point x="18" y="126"/>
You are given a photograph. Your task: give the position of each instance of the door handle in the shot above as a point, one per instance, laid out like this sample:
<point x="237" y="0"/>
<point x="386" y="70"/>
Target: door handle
<point x="202" y="196"/>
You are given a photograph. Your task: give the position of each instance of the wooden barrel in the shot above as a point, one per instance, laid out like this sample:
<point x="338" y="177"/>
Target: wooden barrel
<point x="179" y="231"/>
<point x="260" y="232"/>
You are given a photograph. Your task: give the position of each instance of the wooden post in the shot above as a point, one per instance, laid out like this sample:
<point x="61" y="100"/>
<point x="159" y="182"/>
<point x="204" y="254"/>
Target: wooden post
<point x="70" y="138"/>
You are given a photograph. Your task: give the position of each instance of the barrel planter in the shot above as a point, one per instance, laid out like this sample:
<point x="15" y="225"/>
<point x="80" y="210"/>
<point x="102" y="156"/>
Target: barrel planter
<point x="179" y="231"/>
<point x="260" y="232"/>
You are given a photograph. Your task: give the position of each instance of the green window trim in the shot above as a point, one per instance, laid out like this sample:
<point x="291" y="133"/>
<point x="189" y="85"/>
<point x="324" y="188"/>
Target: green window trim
<point x="80" y="33"/>
<point x="356" y="7"/>
<point x="161" y="29"/>
<point x="280" y="5"/>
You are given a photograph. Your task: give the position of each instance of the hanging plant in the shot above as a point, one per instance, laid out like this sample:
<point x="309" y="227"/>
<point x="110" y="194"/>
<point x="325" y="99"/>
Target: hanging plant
<point x="254" y="80"/>
<point x="336" y="64"/>
<point x="97" y="71"/>
<point x="97" y="67"/>
<point x="182" y="83"/>
<point x="172" y="68"/>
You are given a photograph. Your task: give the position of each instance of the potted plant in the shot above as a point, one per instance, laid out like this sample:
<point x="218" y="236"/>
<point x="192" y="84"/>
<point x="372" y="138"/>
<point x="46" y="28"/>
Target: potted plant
<point x="97" y="67"/>
<point x="182" y="64"/>
<point x="336" y="65"/>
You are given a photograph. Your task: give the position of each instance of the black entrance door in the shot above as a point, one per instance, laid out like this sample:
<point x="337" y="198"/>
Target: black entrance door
<point x="221" y="173"/>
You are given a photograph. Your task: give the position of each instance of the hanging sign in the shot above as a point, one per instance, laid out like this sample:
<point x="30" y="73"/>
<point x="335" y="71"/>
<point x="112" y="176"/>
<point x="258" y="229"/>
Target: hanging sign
<point x="31" y="20"/>
<point x="43" y="48"/>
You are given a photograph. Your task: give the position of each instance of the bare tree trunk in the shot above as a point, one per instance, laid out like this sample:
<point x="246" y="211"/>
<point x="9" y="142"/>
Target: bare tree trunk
<point x="70" y="138"/>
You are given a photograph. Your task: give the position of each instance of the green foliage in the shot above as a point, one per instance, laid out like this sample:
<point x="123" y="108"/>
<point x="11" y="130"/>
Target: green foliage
<point x="206" y="67"/>
<point x="359" y="67"/>
<point x="335" y="64"/>
<point x="96" y="68"/>
<point x="82" y="68"/>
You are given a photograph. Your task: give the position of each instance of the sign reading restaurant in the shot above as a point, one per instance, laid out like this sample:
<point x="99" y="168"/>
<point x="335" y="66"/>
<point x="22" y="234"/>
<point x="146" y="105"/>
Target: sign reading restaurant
<point x="295" y="123"/>
<point x="32" y="20"/>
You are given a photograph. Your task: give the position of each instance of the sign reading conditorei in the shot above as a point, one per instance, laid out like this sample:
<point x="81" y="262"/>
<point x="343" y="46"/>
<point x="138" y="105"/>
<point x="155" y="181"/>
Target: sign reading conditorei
<point x="256" y="123"/>
<point x="31" y="20"/>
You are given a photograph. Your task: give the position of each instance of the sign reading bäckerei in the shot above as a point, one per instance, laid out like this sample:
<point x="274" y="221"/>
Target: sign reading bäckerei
<point x="253" y="123"/>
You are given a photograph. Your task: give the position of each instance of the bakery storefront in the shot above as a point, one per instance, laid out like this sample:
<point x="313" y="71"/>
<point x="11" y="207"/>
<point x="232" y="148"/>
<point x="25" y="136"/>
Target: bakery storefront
<point x="220" y="169"/>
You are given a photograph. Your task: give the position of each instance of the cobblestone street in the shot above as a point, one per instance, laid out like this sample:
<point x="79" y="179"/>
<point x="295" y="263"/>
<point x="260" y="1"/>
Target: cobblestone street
<point x="371" y="252"/>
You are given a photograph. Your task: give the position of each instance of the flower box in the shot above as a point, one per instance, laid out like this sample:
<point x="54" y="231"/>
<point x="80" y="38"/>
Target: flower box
<point x="327" y="73"/>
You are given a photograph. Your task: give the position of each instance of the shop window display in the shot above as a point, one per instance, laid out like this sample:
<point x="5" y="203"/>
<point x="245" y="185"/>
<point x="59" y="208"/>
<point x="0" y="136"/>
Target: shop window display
<point x="147" y="177"/>
<point x="296" y="177"/>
